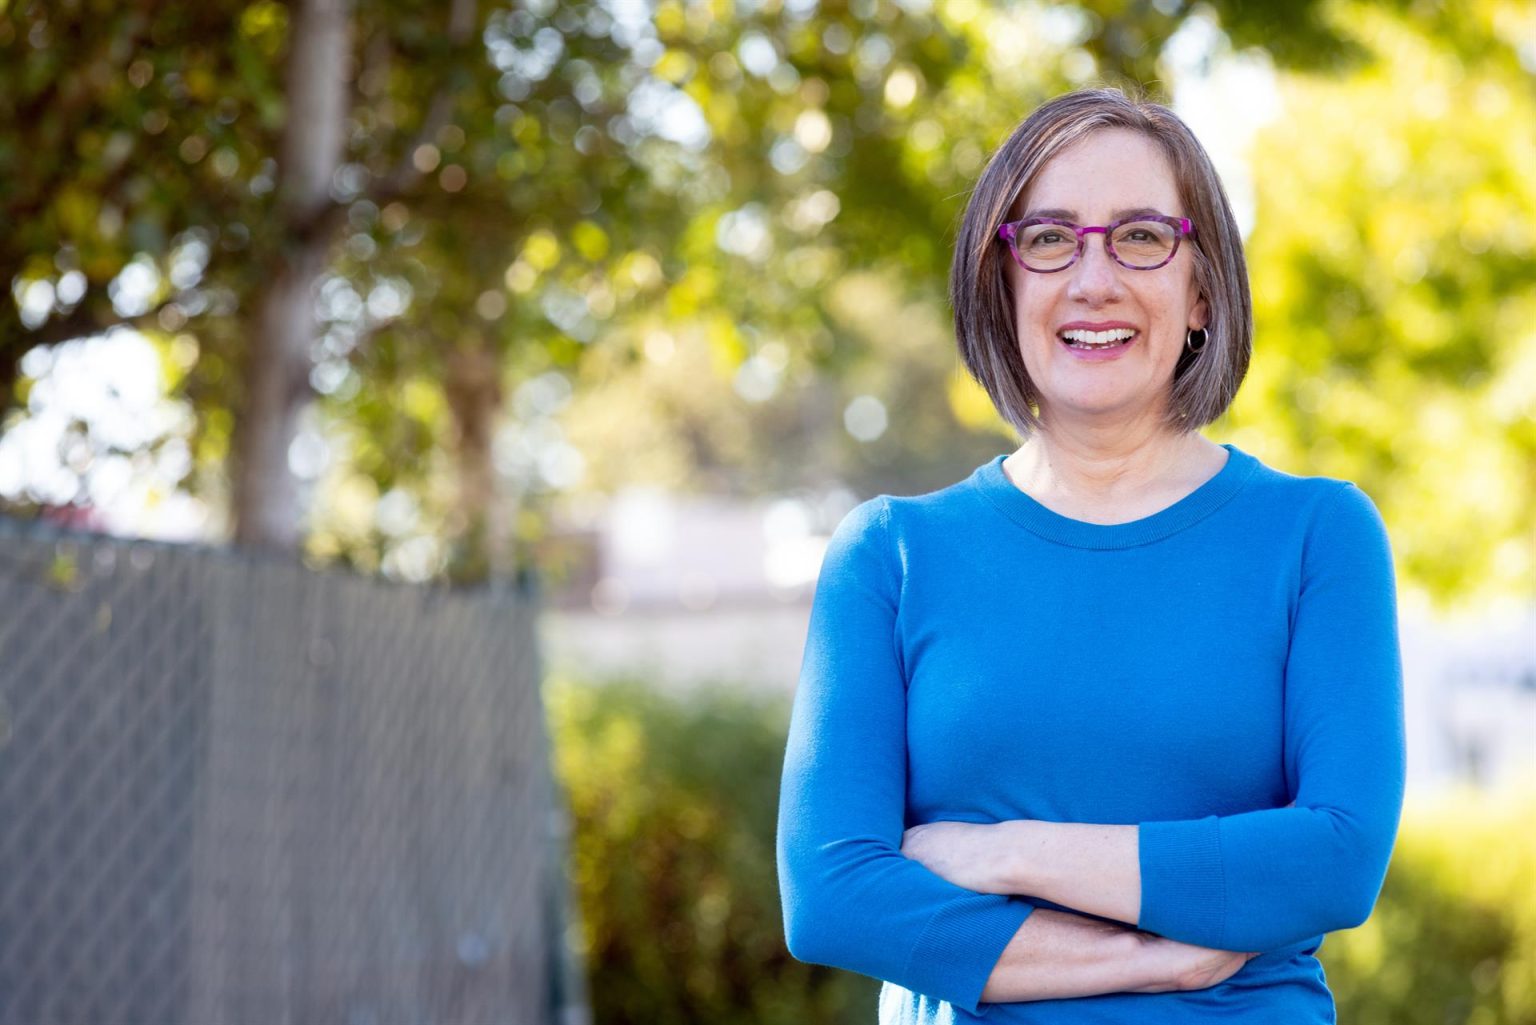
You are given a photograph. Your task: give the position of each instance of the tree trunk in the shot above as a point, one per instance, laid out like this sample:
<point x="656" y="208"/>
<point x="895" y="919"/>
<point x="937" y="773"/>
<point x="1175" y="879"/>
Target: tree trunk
<point x="474" y="396"/>
<point x="265" y="493"/>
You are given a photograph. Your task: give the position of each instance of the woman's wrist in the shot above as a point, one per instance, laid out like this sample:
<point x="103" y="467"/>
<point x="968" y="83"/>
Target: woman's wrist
<point x="1057" y="955"/>
<point x="1089" y="867"/>
<point x="1150" y="966"/>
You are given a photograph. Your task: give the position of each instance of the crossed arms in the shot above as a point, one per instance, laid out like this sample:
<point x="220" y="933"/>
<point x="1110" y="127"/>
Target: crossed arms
<point x="854" y="897"/>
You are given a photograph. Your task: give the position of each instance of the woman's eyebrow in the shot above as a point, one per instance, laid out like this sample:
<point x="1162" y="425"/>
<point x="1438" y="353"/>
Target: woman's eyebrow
<point x="1071" y="215"/>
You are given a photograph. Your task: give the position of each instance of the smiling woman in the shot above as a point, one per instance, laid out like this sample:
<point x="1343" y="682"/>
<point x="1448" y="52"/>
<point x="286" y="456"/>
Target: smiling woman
<point x="1057" y="312"/>
<point x="1110" y="730"/>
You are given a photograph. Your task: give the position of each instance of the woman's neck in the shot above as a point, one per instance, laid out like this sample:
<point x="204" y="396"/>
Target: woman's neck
<point x="1077" y="474"/>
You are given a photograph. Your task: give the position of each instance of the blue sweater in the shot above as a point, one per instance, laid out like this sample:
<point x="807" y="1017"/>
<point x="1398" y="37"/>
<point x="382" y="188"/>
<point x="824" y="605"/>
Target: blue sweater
<point x="1225" y="673"/>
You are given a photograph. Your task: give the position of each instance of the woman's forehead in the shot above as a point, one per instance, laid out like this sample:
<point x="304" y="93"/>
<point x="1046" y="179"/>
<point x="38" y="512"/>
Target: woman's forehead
<point x="1108" y="174"/>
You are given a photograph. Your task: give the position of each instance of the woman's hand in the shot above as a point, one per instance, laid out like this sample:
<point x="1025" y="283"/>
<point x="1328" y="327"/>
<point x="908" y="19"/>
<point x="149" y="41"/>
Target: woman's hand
<point x="1174" y="966"/>
<point x="1058" y="955"/>
<point x="975" y="855"/>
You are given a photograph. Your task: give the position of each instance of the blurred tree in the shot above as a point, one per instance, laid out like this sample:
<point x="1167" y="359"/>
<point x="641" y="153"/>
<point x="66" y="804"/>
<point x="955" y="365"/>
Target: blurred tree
<point x="543" y="217"/>
<point x="107" y="114"/>
<point x="180" y="123"/>
<point x="706" y="237"/>
<point x="1393" y="259"/>
<point x="134" y="176"/>
<point x="278" y="360"/>
<point x="845" y="140"/>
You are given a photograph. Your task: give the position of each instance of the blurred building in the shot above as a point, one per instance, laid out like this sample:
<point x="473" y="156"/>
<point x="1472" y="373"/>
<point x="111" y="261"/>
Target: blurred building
<point x="1470" y="692"/>
<point x="683" y="590"/>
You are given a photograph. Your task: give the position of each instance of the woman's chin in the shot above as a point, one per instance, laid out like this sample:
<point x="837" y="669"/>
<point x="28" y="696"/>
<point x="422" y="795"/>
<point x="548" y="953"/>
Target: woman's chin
<point x="1078" y="403"/>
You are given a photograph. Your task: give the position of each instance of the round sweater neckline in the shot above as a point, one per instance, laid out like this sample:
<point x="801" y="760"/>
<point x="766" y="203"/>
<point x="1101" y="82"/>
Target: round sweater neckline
<point x="991" y="480"/>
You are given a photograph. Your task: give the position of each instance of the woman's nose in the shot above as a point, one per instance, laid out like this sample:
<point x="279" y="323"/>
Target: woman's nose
<point x="1095" y="277"/>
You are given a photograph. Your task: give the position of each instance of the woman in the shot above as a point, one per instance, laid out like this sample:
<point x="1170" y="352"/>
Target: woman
<point x="1111" y="730"/>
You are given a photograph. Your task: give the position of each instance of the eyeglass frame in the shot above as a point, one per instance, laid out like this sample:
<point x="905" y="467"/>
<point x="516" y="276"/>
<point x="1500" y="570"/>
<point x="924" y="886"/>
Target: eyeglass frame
<point x="1009" y="233"/>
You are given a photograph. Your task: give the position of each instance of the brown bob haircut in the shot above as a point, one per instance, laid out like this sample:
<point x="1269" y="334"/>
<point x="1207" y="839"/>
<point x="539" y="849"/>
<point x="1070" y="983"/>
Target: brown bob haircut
<point x="1204" y="382"/>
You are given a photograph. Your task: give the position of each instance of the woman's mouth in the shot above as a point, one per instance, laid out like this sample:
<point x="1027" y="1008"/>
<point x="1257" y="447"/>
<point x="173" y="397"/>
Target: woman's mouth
<point x="1098" y="345"/>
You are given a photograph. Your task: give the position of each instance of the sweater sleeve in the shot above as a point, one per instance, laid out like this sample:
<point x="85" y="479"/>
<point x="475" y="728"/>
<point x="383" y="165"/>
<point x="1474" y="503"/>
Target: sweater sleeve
<point x="1265" y="879"/>
<point x="851" y="899"/>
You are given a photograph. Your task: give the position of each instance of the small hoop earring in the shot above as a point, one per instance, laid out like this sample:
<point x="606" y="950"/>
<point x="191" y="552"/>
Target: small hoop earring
<point x="1190" y="338"/>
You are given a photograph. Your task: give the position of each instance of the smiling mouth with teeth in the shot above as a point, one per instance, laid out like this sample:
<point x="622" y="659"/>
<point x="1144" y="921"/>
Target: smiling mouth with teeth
<point x="1079" y="339"/>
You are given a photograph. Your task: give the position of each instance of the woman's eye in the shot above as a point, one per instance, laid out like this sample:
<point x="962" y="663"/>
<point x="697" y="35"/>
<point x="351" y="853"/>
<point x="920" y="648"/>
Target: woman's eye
<point x="1048" y="238"/>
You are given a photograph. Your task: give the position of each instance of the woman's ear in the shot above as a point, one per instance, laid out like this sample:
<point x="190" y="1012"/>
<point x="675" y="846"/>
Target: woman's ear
<point x="1199" y="314"/>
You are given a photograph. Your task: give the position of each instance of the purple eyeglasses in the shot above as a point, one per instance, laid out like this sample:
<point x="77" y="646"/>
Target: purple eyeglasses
<point x="1144" y="242"/>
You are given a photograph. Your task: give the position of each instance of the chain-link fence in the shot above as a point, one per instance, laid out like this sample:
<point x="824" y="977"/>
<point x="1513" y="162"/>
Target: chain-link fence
<point x="234" y="790"/>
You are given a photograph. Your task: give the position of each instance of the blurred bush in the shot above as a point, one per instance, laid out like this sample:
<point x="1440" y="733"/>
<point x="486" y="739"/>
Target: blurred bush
<point x="1453" y="937"/>
<point x="674" y="802"/>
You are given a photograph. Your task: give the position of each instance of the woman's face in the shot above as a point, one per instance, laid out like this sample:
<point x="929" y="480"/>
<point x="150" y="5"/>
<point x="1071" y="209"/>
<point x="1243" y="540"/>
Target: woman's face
<point x="1095" y="181"/>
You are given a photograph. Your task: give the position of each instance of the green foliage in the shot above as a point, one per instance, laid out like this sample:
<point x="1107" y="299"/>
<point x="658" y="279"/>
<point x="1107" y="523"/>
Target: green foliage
<point x="674" y="807"/>
<point x="714" y="302"/>
<point x="674" y="802"/>
<point x="1392" y="258"/>
<point x="1453" y="937"/>
<point x="125" y="137"/>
